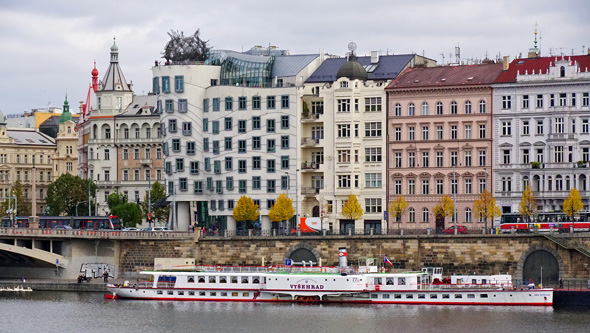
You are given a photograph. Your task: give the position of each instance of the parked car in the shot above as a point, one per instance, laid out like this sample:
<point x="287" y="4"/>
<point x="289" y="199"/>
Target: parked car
<point x="129" y="229"/>
<point x="461" y="229"/>
<point x="63" y="226"/>
<point x="155" y="229"/>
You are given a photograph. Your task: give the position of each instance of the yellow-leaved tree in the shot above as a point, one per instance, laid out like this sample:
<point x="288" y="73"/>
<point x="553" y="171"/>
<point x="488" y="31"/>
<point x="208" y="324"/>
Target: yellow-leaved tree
<point x="282" y="210"/>
<point x="352" y="208"/>
<point x="397" y="208"/>
<point x="445" y="207"/>
<point x="573" y="204"/>
<point x="246" y="210"/>
<point x="528" y="205"/>
<point x="485" y="206"/>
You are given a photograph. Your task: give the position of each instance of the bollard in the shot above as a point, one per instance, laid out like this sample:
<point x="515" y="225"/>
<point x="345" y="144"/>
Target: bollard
<point x="324" y="233"/>
<point x="249" y="232"/>
<point x="372" y="231"/>
<point x="274" y="232"/>
<point x="428" y="231"/>
<point x="349" y="232"/>
<point x="298" y="232"/>
<point x="401" y="232"/>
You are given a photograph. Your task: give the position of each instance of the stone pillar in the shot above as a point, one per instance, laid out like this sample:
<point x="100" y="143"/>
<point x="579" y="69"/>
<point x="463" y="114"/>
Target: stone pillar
<point x="265" y="223"/>
<point x="231" y="223"/>
<point x="184" y="217"/>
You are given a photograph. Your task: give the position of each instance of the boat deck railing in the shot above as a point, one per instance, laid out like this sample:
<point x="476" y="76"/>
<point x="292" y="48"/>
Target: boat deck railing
<point x="471" y="286"/>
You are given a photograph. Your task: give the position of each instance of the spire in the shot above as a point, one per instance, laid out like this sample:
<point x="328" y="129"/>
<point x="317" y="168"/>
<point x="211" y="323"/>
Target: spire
<point x="65" y="115"/>
<point x="534" y="52"/>
<point x="94" y="78"/>
<point x="535" y="36"/>
<point x="114" y="78"/>
<point x="114" y="51"/>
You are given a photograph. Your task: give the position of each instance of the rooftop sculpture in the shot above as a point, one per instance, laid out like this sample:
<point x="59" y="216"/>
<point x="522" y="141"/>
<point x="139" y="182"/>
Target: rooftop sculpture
<point x="182" y="49"/>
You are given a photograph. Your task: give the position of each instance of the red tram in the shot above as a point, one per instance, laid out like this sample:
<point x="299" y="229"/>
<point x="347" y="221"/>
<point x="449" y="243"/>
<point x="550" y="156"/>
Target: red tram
<point x="544" y="222"/>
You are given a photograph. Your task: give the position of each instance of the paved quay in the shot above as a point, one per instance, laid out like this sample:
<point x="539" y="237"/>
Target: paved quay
<point x="95" y="285"/>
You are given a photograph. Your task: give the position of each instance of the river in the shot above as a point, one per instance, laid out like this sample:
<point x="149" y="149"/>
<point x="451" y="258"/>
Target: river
<point x="90" y="312"/>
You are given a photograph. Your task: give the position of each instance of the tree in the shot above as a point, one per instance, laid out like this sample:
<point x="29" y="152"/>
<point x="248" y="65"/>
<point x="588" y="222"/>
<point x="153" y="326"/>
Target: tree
<point x="23" y="204"/>
<point x="128" y="212"/>
<point x="246" y="210"/>
<point x="446" y="207"/>
<point x="352" y="208"/>
<point x="398" y="207"/>
<point x="485" y="207"/>
<point x="282" y="210"/>
<point x="528" y="205"/>
<point x="67" y="192"/>
<point x="157" y="194"/>
<point x="573" y="204"/>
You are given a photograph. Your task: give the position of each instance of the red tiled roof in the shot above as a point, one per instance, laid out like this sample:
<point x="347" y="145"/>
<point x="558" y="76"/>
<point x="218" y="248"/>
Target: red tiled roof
<point x="539" y="64"/>
<point x="447" y="76"/>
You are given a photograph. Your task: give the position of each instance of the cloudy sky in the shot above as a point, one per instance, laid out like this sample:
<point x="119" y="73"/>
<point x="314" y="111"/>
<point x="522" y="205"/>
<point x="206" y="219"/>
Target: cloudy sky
<point x="48" y="47"/>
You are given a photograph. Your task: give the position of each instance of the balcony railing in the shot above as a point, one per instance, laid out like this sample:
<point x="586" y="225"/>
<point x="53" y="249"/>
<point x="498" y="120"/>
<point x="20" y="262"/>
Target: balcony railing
<point x="561" y="136"/>
<point x="308" y="141"/>
<point x="309" y="165"/>
<point x="310" y="191"/>
<point x="310" y="117"/>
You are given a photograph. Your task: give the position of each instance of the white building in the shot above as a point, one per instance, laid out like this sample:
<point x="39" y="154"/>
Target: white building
<point x="343" y="126"/>
<point x="230" y="129"/>
<point x="541" y="117"/>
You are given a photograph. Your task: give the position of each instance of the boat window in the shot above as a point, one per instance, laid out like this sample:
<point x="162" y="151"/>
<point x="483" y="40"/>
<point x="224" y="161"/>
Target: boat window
<point x="246" y="294"/>
<point x="256" y="279"/>
<point x="445" y="296"/>
<point x="160" y="292"/>
<point x="234" y="294"/>
<point x="409" y="296"/>
<point x="223" y="293"/>
<point x="397" y="295"/>
<point x="201" y="293"/>
<point x="459" y="281"/>
<point x="374" y="295"/>
<point x="483" y="281"/>
<point x="213" y="279"/>
<point x="234" y="279"/>
<point x="181" y="293"/>
<point x="201" y="279"/>
<point x="213" y="293"/>
<point x="170" y="292"/>
<point x="245" y="279"/>
<point x="264" y="279"/>
<point x="421" y="296"/>
<point x="377" y="280"/>
<point x="191" y="293"/>
<point x="190" y="279"/>
<point x="401" y="281"/>
<point x="433" y="296"/>
<point x="483" y="295"/>
<point x="458" y="296"/>
<point x="473" y="281"/>
<point x="222" y="279"/>
<point x="385" y="295"/>
<point x="470" y="295"/>
<point x="389" y="281"/>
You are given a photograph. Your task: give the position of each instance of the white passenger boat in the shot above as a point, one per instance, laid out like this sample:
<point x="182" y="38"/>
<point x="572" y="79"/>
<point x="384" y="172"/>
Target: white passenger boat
<point x="364" y="284"/>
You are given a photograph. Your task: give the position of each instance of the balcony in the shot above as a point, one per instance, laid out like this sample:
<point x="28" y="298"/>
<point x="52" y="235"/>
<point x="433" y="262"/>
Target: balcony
<point x="310" y="117"/>
<point x="310" y="191"/>
<point x="561" y="136"/>
<point x="145" y="162"/>
<point x="310" y="166"/>
<point x="309" y="142"/>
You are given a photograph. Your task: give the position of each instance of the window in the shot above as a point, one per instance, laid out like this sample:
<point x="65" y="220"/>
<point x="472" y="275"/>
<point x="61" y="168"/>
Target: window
<point x="412" y="215"/>
<point x="424" y="132"/>
<point x="285" y="122"/>
<point x="468" y="186"/>
<point x="506" y="184"/>
<point x="585" y="126"/>
<point x="179" y="84"/>
<point x="454" y="158"/>
<point x="439" y="159"/>
<point x="373" y="180"/>
<point x="216" y="104"/>
<point x="425" y="215"/>
<point x="270" y="102"/>
<point x="242" y="166"/>
<point x="270" y="146"/>
<point x="539" y="127"/>
<point x="270" y="125"/>
<point x="194" y="168"/>
<point x="398" y="133"/>
<point x="241" y="126"/>
<point x="205" y="144"/>
<point x="439" y="186"/>
<point x="256" y="183"/>
<point x="343" y="156"/>
<point x="467" y="215"/>
<point x="482" y="131"/>
<point x="468" y="158"/>
<point x="482" y="106"/>
<point x="467" y="107"/>
<point x="285" y="102"/>
<point x="558" y="154"/>
<point x="190" y="147"/>
<point x="373" y="104"/>
<point x="256" y="103"/>
<point x="506" y="156"/>
<point x="467" y="131"/>
<point x="398" y="110"/>
<point x="425" y="159"/>
<point x="344" y="181"/>
<point x="439" y="108"/>
<point x="165" y="84"/>
<point x="398" y="159"/>
<point x="107" y="155"/>
<point x="205" y="105"/>
<point x="270" y="165"/>
<point x="559" y="125"/>
<point x="454" y="132"/>
<point x="482" y="185"/>
<point x="227" y="124"/>
<point x="187" y="128"/>
<point x="373" y="205"/>
<point x="229" y="104"/>
<point x="242" y="103"/>
<point x="411" y="186"/>
<point x="285" y="162"/>
<point x="411" y="109"/>
<point x="373" y="129"/>
<point x="411" y="160"/>
<point x="585" y="99"/>
<point x="506" y="102"/>
<point x="156" y="85"/>
<point x="540" y="155"/>
<point x="506" y="128"/>
<point x="228" y="163"/>
<point x="411" y="134"/>
<point x="424" y="109"/>
<point x="344" y="131"/>
<point x="179" y="164"/>
<point x="563" y="99"/>
<point x="453" y="107"/>
<point x="439" y="132"/>
<point x="284" y="142"/>
<point x="525" y="127"/>
<point x="343" y="105"/>
<point x="169" y="105"/>
<point x="373" y="154"/>
<point x="256" y="143"/>
<point x="241" y="146"/>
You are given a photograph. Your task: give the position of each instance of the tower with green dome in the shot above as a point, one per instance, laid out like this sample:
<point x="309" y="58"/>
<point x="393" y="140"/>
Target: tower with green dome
<point x="65" y="115"/>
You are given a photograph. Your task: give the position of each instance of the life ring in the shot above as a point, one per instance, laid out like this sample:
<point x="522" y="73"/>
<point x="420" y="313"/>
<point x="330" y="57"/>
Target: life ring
<point x="219" y="269"/>
<point x="382" y="269"/>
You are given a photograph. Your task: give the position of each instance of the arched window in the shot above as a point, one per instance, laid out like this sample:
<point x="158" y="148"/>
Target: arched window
<point x="453" y="107"/>
<point x="424" y="109"/>
<point x="411" y="109"/>
<point x="95" y="132"/>
<point x="525" y="182"/>
<point x="91" y="153"/>
<point x="549" y="184"/>
<point x="126" y="133"/>
<point x="562" y="71"/>
<point x="398" y="110"/>
<point x="567" y="183"/>
<point x="412" y="215"/>
<point x="425" y="214"/>
<point x="558" y="183"/>
<point x="439" y="108"/>
<point x="482" y="106"/>
<point x="467" y="107"/>
<point x="468" y="215"/>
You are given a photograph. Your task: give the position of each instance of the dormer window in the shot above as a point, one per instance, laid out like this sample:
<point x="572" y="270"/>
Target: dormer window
<point x="344" y="84"/>
<point x="562" y="71"/>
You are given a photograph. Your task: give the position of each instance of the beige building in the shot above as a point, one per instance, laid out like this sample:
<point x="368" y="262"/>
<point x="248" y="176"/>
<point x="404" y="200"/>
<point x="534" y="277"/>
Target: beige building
<point x="440" y="140"/>
<point x="65" y="158"/>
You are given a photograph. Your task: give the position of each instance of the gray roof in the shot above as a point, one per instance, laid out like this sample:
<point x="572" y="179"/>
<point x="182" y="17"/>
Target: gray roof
<point x="29" y="137"/>
<point x="388" y="67"/>
<point x="21" y="122"/>
<point x="291" y="65"/>
<point x="55" y="119"/>
<point x="138" y="102"/>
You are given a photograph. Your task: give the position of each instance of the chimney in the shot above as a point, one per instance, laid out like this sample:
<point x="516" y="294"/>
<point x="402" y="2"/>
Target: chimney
<point x="374" y="57"/>
<point x="342" y="257"/>
<point x="589" y="51"/>
<point x="505" y="63"/>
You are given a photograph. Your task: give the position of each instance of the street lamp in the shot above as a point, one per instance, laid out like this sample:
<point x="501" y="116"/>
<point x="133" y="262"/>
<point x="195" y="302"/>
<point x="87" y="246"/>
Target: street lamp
<point x="79" y="202"/>
<point x="149" y="193"/>
<point x="34" y="188"/>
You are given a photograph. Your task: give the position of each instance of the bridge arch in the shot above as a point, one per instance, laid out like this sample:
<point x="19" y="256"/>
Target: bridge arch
<point x="48" y="258"/>
<point x="303" y="252"/>
<point x="533" y="258"/>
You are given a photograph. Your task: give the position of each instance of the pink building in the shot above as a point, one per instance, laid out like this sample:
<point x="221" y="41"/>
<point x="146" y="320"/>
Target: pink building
<point x="439" y="127"/>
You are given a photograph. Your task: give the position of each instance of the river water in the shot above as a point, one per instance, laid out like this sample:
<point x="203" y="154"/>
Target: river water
<point x="90" y="312"/>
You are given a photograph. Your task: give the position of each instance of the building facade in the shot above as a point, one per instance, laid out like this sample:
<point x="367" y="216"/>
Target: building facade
<point x="541" y="130"/>
<point x="342" y="127"/>
<point x="440" y="140"/>
<point x="65" y="158"/>
<point x="229" y="127"/>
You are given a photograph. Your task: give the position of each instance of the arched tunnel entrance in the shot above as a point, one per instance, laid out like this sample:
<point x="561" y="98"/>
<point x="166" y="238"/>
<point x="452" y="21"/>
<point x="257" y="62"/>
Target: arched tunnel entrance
<point x="541" y="267"/>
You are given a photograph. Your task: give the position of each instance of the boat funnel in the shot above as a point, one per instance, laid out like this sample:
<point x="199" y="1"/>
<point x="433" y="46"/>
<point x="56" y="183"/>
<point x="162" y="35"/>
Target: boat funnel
<point x="342" y="257"/>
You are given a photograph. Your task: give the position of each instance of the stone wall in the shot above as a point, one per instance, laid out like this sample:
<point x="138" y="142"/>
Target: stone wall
<point x="136" y="255"/>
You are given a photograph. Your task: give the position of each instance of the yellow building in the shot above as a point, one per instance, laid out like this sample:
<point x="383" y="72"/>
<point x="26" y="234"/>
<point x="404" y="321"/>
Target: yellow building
<point x="65" y="159"/>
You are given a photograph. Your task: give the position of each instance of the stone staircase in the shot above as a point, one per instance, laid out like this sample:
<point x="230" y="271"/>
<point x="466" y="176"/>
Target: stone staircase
<point x="567" y="243"/>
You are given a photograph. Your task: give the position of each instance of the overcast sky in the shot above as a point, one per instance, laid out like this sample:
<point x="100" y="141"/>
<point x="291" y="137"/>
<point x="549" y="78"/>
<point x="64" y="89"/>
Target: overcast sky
<point x="48" y="47"/>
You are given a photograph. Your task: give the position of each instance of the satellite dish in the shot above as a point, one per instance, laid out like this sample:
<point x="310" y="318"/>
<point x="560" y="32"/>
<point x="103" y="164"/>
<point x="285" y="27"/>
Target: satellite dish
<point x="352" y="46"/>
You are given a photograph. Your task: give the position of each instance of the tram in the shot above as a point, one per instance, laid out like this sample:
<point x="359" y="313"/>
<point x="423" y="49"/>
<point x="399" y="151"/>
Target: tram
<point x="544" y="222"/>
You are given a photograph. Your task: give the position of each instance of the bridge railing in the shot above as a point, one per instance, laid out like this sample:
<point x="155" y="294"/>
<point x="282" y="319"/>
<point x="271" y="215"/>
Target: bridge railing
<point x="107" y="234"/>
